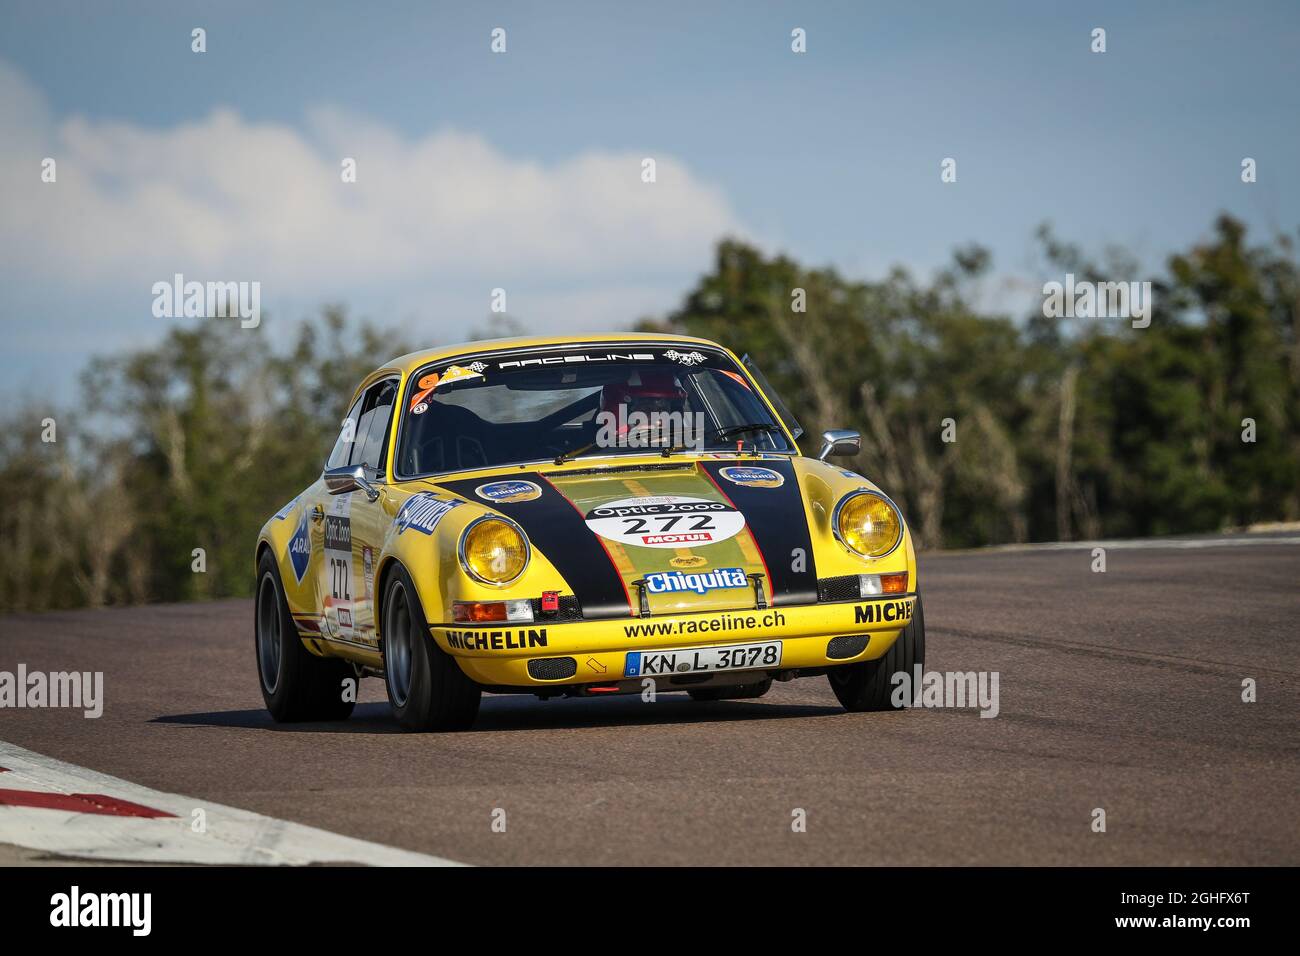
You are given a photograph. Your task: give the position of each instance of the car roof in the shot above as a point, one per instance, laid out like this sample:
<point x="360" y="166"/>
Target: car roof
<point x="413" y="360"/>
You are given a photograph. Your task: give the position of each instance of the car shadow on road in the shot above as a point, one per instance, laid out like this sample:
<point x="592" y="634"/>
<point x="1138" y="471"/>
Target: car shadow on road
<point x="506" y="712"/>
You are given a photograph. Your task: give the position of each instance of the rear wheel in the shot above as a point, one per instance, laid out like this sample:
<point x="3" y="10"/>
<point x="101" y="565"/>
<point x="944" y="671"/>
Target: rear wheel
<point x="868" y="685"/>
<point x="733" y="691"/>
<point x="296" y="684"/>
<point x="427" y="689"/>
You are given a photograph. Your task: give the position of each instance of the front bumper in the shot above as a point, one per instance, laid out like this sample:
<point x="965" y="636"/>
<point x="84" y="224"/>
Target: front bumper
<point x="499" y="655"/>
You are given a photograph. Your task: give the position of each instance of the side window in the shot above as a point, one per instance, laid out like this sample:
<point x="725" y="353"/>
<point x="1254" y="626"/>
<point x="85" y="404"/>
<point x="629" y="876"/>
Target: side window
<point x="372" y="426"/>
<point x="348" y="438"/>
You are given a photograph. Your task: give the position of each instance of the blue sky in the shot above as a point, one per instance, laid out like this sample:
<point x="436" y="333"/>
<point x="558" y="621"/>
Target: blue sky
<point x="521" y="170"/>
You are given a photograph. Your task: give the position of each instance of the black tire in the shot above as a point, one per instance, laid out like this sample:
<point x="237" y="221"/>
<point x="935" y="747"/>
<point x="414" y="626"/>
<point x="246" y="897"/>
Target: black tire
<point x="868" y="685"/>
<point x="733" y="691"/>
<point x="296" y="684"/>
<point x="426" y="687"/>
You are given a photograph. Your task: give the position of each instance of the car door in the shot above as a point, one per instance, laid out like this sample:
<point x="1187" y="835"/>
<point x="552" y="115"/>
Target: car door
<point x="352" y="524"/>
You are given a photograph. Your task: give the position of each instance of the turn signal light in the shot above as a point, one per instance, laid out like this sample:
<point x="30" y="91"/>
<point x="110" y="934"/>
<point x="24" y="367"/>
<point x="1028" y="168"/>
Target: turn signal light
<point x="874" y="585"/>
<point x="894" y="583"/>
<point x="483" y="612"/>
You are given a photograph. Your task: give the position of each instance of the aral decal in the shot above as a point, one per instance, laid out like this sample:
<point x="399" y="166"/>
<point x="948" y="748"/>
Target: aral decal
<point x="508" y="491"/>
<point x="300" y="548"/>
<point x="752" y="477"/>
<point x="665" y="521"/>
<point x="422" y="512"/>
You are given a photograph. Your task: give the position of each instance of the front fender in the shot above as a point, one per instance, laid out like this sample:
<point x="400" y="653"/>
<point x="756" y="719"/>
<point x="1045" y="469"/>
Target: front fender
<point x="424" y="538"/>
<point x="824" y="485"/>
<point x="287" y="536"/>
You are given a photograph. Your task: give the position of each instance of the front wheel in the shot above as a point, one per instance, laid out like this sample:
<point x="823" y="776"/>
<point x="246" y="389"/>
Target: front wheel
<point x="427" y="689"/>
<point x="296" y="684"/>
<point x="868" y="685"/>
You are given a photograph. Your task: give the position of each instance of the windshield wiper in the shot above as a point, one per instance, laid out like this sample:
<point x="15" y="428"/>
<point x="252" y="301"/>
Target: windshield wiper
<point x="564" y="456"/>
<point x="665" y="450"/>
<point x="741" y="429"/>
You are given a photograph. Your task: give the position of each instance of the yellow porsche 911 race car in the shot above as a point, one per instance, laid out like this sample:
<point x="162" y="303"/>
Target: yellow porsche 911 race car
<point x="577" y="517"/>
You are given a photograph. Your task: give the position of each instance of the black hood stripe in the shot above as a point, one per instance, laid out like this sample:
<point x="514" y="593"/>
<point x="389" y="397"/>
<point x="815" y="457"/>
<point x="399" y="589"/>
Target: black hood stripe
<point x="775" y="517"/>
<point x="557" y="529"/>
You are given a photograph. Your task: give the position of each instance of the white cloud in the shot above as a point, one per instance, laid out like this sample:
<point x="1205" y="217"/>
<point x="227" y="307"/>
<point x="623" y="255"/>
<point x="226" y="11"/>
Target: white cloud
<point x="224" y="197"/>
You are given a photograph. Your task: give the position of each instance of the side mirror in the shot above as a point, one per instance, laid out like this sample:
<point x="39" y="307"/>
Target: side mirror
<point x="839" y="441"/>
<point x="347" y="478"/>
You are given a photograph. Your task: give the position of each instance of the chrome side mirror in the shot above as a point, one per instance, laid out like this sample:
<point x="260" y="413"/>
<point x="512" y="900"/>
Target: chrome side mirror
<point x="347" y="478"/>
<point x="839" y="441"/>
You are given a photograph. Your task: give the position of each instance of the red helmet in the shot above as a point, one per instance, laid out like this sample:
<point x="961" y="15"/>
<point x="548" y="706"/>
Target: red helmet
<point x="648" y="390"/>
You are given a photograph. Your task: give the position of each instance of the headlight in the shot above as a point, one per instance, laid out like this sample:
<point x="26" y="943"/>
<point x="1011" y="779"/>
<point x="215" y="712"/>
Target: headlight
<point x="868" y="524"/>
<point x="493" y="550"/>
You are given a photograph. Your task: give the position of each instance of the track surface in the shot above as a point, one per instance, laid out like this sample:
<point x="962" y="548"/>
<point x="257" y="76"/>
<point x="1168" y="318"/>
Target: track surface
<point x="1119" y="690"/>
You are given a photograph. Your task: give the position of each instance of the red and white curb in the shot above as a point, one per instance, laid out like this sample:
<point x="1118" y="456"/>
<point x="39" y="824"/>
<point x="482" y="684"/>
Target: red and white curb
<point x="58" y="807"/>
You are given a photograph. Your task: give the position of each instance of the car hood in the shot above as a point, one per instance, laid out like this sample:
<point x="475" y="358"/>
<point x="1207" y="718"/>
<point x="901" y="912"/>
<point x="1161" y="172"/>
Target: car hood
<point x="680" y="535"/>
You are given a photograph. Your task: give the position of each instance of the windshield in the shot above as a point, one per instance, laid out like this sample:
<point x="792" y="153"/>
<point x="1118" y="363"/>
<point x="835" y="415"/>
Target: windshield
<point x="511" y="407"/>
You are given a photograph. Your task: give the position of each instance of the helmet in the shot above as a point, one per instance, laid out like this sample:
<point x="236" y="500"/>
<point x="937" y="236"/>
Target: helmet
<point x="646" y="391"/>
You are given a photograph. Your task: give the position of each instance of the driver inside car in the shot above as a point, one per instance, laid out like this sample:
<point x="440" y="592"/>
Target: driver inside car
<point x="645" y="409"/>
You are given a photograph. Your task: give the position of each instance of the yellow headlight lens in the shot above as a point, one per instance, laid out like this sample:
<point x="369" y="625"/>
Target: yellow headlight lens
<point x="495" y="551"/>
<point x="870" y="525"/>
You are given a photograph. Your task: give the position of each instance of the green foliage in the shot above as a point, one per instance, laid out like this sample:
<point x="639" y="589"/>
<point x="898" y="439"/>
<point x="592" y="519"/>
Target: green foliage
<point x="191" y="444"/>
<point x="1064" y="428"/>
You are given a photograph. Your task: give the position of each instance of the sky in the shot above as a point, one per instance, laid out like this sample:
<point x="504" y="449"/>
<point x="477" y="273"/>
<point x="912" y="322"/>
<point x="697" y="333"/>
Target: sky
<point x="522" y="170"/>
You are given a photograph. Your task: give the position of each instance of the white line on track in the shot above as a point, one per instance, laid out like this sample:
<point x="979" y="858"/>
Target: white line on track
<point x="1137" y="544"/>
<point x="232" y="836"/>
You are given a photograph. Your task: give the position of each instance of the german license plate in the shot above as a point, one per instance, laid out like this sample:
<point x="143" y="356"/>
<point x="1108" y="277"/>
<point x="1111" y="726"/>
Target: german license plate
<point x="703" y="660"/>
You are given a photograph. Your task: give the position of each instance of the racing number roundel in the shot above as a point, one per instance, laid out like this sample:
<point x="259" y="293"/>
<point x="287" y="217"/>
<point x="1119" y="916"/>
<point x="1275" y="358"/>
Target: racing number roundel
<point x="665" y="521"/>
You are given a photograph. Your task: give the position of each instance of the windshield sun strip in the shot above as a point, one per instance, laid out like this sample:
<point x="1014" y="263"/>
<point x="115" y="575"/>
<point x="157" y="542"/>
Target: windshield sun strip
<point x="404" y="411"/>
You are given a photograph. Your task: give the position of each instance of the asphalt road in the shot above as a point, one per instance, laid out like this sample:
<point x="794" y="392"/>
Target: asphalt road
<point x="1119" y="691"/>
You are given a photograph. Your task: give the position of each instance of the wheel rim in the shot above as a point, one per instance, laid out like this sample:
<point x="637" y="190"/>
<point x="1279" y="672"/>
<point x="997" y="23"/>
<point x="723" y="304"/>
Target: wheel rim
<point x="397" y="645"/>
<point x="268" y="634"/>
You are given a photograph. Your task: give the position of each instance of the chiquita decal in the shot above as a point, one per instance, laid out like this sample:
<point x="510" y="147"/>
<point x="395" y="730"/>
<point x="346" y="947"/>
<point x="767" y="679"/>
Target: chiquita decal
<point x="509" y="491"/>
<point x="665" y="521"/>
<point x="753" y="477"/>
